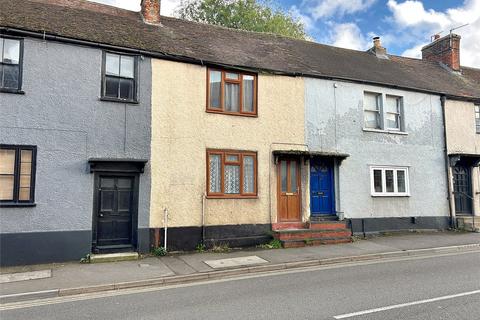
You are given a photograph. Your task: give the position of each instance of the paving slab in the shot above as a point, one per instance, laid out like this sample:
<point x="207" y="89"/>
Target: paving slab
<point x="24" y="276"/>
<point x="235" y="262"/>
<point x="177" y="265"/>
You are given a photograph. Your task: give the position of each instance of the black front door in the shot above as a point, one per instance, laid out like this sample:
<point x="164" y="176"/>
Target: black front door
<point x="462" y="188"/>
<point x="115" y="211"/>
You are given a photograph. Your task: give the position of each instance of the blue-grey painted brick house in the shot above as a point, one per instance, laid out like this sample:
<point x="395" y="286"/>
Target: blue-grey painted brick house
<point x="84" y="114"/>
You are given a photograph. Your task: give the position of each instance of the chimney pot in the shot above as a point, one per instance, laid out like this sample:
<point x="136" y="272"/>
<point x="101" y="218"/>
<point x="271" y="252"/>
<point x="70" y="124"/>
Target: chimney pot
<point x="445" y="50"/>
<point x="150" y="10"/>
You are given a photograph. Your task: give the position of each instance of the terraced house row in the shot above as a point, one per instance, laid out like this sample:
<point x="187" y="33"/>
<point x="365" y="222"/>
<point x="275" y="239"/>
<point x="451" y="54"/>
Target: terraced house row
<point x="116" y="125"/>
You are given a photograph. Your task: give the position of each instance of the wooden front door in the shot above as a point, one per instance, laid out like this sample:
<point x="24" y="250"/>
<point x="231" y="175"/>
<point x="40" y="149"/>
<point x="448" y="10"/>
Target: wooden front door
<point x="288" y="184"/>
<point x="115" y="210"/>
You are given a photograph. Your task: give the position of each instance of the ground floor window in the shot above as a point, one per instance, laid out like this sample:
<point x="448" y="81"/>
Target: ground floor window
<point x="231" y="173"/>
<point x="389" y="181"/>
<point x="17" y="174"/>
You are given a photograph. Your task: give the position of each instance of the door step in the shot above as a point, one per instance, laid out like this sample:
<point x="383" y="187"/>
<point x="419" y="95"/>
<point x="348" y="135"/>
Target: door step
<point x="113" y="257"/>
<point x="313" y="233"/>
<point x="324" y="217"/>
<point x="468" y="223"/>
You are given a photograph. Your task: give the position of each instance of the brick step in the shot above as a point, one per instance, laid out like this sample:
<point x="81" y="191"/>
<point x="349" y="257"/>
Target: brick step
<point x="313" y="242"/>
<point x="288" y="225"/>
<point x="326" y="225"/>
<point x="306" y="234"/>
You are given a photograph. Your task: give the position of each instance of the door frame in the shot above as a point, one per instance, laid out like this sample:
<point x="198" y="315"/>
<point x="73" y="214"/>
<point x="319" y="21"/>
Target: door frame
<point x="299" y="184"/>
<point x="96" y="185"/>
<point x="331" y="163"/>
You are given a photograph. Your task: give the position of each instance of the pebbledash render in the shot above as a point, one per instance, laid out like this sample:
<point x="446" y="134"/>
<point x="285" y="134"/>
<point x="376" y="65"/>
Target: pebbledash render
<point x="68" y="152"/>
<point x="111" y="134"/>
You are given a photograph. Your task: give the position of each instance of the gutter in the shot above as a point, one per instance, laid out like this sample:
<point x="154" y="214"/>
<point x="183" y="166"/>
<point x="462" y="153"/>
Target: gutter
<point x="453" y="223"/>
<point x="180" y="58"/>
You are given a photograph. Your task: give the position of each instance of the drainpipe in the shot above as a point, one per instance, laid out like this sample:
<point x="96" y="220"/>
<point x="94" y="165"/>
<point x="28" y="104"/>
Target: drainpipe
<point x="203" y="217"/>
<point x="453" y="223"/>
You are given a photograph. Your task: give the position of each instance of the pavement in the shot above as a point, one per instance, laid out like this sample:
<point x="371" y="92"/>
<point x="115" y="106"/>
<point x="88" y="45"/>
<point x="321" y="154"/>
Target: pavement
<point x="75" y="278"/>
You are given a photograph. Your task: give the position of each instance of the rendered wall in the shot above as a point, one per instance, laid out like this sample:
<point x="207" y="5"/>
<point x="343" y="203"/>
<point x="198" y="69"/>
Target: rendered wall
<point x="62" y="115"/>
<point x="334" y="122"/>
<point x="182" y="131"/>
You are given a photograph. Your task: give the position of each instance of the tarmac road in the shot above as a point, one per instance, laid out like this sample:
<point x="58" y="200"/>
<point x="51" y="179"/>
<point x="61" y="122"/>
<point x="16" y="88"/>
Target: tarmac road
<point x="437" y="287"/>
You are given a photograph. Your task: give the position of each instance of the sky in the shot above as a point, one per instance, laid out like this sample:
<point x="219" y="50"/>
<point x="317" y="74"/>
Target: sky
<point x="404" y="26"/>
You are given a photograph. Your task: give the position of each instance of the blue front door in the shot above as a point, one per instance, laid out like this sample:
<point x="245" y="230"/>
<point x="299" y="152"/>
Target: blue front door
<point x="322" y="197"/>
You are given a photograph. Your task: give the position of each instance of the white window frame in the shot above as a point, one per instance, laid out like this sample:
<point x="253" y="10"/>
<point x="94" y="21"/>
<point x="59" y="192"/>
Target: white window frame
<point x="384" y="192"/>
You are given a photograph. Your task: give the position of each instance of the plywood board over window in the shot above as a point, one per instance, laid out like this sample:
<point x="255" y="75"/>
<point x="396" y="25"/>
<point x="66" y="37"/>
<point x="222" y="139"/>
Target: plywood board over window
<point x="231" y="174"/>
<point x="231" y="92"/>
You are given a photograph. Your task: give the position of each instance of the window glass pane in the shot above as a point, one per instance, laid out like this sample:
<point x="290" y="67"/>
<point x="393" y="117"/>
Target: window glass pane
<point x="107" y="182"/>
<point x="11" y="51"/>
<point x="389" y="180"/>
<point x="214" y="173"/>
<point x="232" y="158"/>
<point x="2" y="40"/>
<point x="392" y="104"/>
<point x="123" y="200"/>
<point x="232" y="76"/>
<point x="124" y="183"/>
<point x="24" y="194"/>
<point x="10" y="76"/>
<point x="127" y="64"/>
<point x="248" y="93"/>
<point x="232" y="97"/>
<point x="283" y="175"/>
<point x="377" y="180"/>
<point x="111" y="86"/>
<point x="7" y="161"/>
<point x="232" y="179"/>
<point x="112" y="64"/>
<point x="24" y="181"/>
<point x="248" y="174"/>
<point x="293" y="176"/>
<point x="6" y="187"/>
<point x="371" y="101"/>
<point x="126" y="88"/>
<point x="371" y="119"/>
<point x="401" y="183"/>
<point x="215" y="88"/>
<point x="106" y="200"/>
<point x="393" y="121"/>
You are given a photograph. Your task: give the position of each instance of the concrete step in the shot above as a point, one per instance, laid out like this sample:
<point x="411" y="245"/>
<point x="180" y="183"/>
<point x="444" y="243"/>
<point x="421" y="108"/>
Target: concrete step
<point x="113" y="257"/>
<point x="469" y="223"/>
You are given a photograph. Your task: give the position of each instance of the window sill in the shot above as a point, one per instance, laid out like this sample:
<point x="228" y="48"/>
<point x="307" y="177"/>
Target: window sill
<point x="390" y="195"/>
<point x="402" y="133"/>
<point x="16" y="205"/>
<point x="14" y="91"/>
<point x="232" y="197"/>
<point x="251" y="115"/>
<point x="119" y="100"/>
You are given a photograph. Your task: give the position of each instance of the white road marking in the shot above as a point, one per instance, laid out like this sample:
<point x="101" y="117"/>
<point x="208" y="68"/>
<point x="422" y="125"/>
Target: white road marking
<point x="408" y="304"/>
<point x="113" y="293"/>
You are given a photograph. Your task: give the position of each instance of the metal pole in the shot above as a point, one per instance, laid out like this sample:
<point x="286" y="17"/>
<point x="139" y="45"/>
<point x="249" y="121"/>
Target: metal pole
<point x="165" y="228"/>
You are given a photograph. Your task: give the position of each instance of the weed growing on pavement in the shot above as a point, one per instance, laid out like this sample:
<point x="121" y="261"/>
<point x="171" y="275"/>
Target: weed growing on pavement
<point x="273" y="244"/>
<point x="222" y="247"/>
<point x="159" y="251"/>
<point x="200" y="248"/>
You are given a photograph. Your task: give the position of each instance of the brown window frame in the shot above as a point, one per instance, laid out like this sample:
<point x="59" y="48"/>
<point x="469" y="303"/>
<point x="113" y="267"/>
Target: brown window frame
<point x="224" y="80"/>
<point x="224" y="153"/>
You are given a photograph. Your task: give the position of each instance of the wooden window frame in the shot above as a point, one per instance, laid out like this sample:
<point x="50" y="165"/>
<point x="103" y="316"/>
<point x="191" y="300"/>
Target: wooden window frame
<point x="378" y="110"/>
<point x="20" y="67"/>
<point x="384" y="193"/>
<point x="224" y="80"/>
<point x="136" y="68"/>
<point x="16" y="184"/>
<point x="223" y="153"/>
<point x="398" y="113"/>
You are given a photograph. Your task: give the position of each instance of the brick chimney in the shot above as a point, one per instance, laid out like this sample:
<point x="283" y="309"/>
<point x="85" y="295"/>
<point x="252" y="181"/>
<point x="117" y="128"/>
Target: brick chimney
<point x="445" y="50"/>
<point x="377" y="49"/>
<point x="151" y="11"/>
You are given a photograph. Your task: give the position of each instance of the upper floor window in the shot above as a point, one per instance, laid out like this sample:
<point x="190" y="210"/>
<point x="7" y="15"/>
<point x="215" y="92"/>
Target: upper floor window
<point x="389" y="181"/>
<point x="231" y="92"/>
<point x="17" y="174"/>
<point x="382" y="112"/>
<point x="231" y="174"/>
<point x="120" y="78"/>
<point x="477" y="118"/>
<point x="372" y="110"/>
<point x="11" y="52"/>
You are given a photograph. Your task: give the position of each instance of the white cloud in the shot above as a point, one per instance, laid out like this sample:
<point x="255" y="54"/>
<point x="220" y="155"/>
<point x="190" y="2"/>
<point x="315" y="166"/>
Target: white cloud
<point x="411" y="18"/>
<point x="167" y="7"/>
<point x="306" y="20"/>
<point x="348" y="35"/>
<point x="329" y="8"/>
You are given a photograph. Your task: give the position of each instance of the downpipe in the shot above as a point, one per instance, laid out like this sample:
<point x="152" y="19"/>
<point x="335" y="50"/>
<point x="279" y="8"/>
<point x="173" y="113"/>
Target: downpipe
<point x="165" y="228"/>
